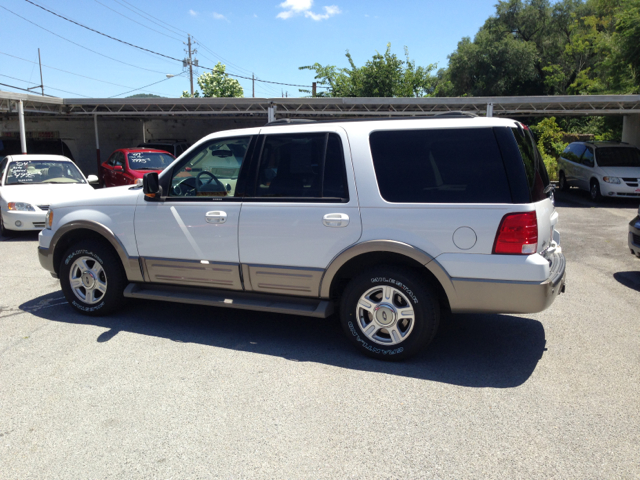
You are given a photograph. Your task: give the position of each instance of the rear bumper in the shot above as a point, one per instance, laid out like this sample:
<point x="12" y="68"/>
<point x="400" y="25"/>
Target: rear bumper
<point x="500" y="296"/>
<point x="634" y="236"/>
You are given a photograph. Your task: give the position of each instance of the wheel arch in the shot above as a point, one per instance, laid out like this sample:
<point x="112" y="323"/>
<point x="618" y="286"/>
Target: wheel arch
<point x="358" y="257"/>
<point x="74" y="231"/>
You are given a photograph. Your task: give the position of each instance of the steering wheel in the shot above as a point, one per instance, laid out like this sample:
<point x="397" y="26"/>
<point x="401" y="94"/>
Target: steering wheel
<point x="200" y="183"/>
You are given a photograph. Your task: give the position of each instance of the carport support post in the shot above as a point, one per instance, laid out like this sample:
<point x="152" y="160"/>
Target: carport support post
<point x="271" y="113"/>
<point x="489" y="109"/>
<point x="95" y="122"/>
<point x="144" y="131"/>
<point x="631" y="129"/>
<point x="23" y="135"/>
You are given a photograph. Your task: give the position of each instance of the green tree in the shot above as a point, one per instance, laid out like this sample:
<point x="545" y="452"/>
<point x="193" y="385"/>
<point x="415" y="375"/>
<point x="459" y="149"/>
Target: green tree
<point x="384" y="75"/>
<point x="217" y="83"/>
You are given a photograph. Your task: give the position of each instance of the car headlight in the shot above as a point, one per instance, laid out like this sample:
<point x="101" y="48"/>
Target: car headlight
<point x="48" y="220"/>
<point x="21" y="207"/>
<point x="615" y="180"/>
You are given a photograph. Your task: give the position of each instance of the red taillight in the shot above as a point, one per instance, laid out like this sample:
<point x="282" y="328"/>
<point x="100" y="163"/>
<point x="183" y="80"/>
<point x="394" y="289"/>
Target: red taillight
<point x="517" y="235"/>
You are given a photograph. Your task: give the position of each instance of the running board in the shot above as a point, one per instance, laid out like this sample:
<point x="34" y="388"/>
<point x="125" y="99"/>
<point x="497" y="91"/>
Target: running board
<point x="231" y="299"/>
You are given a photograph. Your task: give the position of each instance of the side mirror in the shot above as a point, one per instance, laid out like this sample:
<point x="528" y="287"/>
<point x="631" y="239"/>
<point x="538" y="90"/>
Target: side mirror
<point x="118" y="168"/>
<point x="93" y="179"/>
<point x="151" y="185"/>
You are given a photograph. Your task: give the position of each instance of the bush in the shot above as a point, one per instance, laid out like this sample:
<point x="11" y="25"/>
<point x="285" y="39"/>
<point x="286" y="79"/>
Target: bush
<point x="550" y="144"/>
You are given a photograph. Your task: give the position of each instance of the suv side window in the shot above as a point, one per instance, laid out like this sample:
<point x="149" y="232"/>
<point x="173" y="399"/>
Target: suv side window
<point x="587" y="157"/>
<point x="211" y="170"/>
<point x="119" y="159"/>
<point x="537" y="176"/>
<point x="440" y="166"/>
<point x="302" y="166"/>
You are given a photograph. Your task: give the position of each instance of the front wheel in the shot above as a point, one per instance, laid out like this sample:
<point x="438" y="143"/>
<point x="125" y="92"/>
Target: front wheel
<point x="92" y="278"/>
<point x="389" y="313"/>
<point x="562" y="181"/>
<point x="594" y="191"/>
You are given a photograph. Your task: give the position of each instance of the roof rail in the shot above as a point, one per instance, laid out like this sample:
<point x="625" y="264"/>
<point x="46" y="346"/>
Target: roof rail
<point x="289" y="121"/>
<point x="455" y="114"/>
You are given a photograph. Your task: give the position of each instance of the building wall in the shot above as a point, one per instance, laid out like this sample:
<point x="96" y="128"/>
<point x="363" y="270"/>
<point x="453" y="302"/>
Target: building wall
<point x="114" y="133"/>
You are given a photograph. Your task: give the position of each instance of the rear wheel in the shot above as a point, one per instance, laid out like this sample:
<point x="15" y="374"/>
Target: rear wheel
<point x="389" y="313"/>
<point x="594" y="191"/>
<point x="92" y="278"/>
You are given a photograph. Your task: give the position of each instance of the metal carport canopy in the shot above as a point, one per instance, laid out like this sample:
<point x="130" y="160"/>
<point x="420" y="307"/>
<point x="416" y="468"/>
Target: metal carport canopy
<point x="357" y="107"/>
<point x="323" y="107"/>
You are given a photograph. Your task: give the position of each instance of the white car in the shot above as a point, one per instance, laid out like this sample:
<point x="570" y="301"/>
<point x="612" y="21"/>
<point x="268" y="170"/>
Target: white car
<point x="30" y="183"/>
<point x="386" y="222"/>
<point x="604" y="169"/>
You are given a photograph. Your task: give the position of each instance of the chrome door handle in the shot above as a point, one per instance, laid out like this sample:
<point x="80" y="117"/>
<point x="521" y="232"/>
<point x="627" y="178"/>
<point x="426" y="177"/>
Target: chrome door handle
<point x="216" y="217"/>
<point x="335" y="220"/>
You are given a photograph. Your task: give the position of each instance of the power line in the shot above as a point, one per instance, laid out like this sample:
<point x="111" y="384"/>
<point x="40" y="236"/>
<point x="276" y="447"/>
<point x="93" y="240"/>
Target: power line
<point x="139" y="23"/>
<point x="51" y="88"/>
<point x="136" y="89"/>
<point x="100" y="33"/>
<point x="151" y="51"/>
<point x="81" y="46"/>
<point x="144" y="14"/>
<point x="65" y="71"/>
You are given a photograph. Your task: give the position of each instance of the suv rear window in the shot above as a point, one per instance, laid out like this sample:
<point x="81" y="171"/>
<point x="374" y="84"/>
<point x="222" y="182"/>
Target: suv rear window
<point x="618" y="157"/>
<point x="439" y="166"/>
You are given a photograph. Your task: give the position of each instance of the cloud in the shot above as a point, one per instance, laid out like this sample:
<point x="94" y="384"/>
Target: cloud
<point x="193" y="13"/>
<point x="219" y="16"/>
<point x="293" y="8"/>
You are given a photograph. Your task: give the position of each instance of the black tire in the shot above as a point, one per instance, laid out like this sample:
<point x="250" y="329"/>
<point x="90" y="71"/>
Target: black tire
<point x="594" y="191"/>
<point x="562" y="181"/>
<point x="101" y="280"/>
<point x="408" y="292"/>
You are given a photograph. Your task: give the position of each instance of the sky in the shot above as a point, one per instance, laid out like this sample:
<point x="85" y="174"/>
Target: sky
<point x="268" y="38"/>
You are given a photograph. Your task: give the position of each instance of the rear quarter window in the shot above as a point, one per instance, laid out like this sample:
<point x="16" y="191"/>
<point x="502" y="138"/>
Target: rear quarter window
<point x="537" y="176"/>
<point x="439" y="166"/>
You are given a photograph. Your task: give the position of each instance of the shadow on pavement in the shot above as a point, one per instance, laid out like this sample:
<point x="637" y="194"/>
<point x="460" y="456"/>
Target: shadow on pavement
<point x="498" y="351"/>
<point x="20" y="237"/>
<point x="576" y="198"/>
<point x="629" y="279"/>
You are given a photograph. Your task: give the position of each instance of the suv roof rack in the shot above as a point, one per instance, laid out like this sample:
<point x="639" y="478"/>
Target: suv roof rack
<point x="288" y="121"/>
<point x="456" y="113"/>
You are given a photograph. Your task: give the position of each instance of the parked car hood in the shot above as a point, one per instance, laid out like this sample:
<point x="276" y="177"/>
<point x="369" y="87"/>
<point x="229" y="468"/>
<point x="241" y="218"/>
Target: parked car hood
<point x="45" y="193"/>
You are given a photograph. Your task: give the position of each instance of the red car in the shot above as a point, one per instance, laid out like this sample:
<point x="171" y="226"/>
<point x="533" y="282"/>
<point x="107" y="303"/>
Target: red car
<point x="126" y="165"/>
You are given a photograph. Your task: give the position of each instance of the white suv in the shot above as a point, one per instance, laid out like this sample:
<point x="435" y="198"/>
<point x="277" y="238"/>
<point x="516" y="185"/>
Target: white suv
<point x="389" y="222"/>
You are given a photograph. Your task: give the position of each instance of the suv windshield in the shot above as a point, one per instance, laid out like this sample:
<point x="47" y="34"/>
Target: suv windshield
<point x="618" y="157"/>
<point x="30" y="172"/>
<point x="149" y="160"/>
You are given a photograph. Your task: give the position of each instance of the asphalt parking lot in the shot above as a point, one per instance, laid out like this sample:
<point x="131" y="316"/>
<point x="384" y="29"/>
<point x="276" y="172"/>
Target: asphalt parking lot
<point x="175" y="391"/>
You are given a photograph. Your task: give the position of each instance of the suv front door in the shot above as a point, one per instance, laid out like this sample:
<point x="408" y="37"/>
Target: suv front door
<point x="190" y="236"/>
<point x="301" y="210"/>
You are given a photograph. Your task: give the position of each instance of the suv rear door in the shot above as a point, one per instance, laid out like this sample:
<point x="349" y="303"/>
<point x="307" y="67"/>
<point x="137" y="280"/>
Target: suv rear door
<point x="300" y="211"/>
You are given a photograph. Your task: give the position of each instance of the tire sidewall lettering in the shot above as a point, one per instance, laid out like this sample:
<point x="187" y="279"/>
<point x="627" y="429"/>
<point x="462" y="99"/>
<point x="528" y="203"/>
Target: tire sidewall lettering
<point x="77" y="253"/>
<point x="369" y="347"/>
<point x="397" y="283"/>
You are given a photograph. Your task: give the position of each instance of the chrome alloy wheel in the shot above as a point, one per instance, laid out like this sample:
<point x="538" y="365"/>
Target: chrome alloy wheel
<point x="385" y="315"/>
<point x="88" y="280"/>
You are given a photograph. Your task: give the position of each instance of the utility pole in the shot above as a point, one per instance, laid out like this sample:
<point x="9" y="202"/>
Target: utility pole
<point x="190" y="66"/>
<point x="190" y="62"/>
<point x="41" y="82"/>
<point x="253" y="85"/>
<point x="313" y="89"/>
<point x="41" y="86"/>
